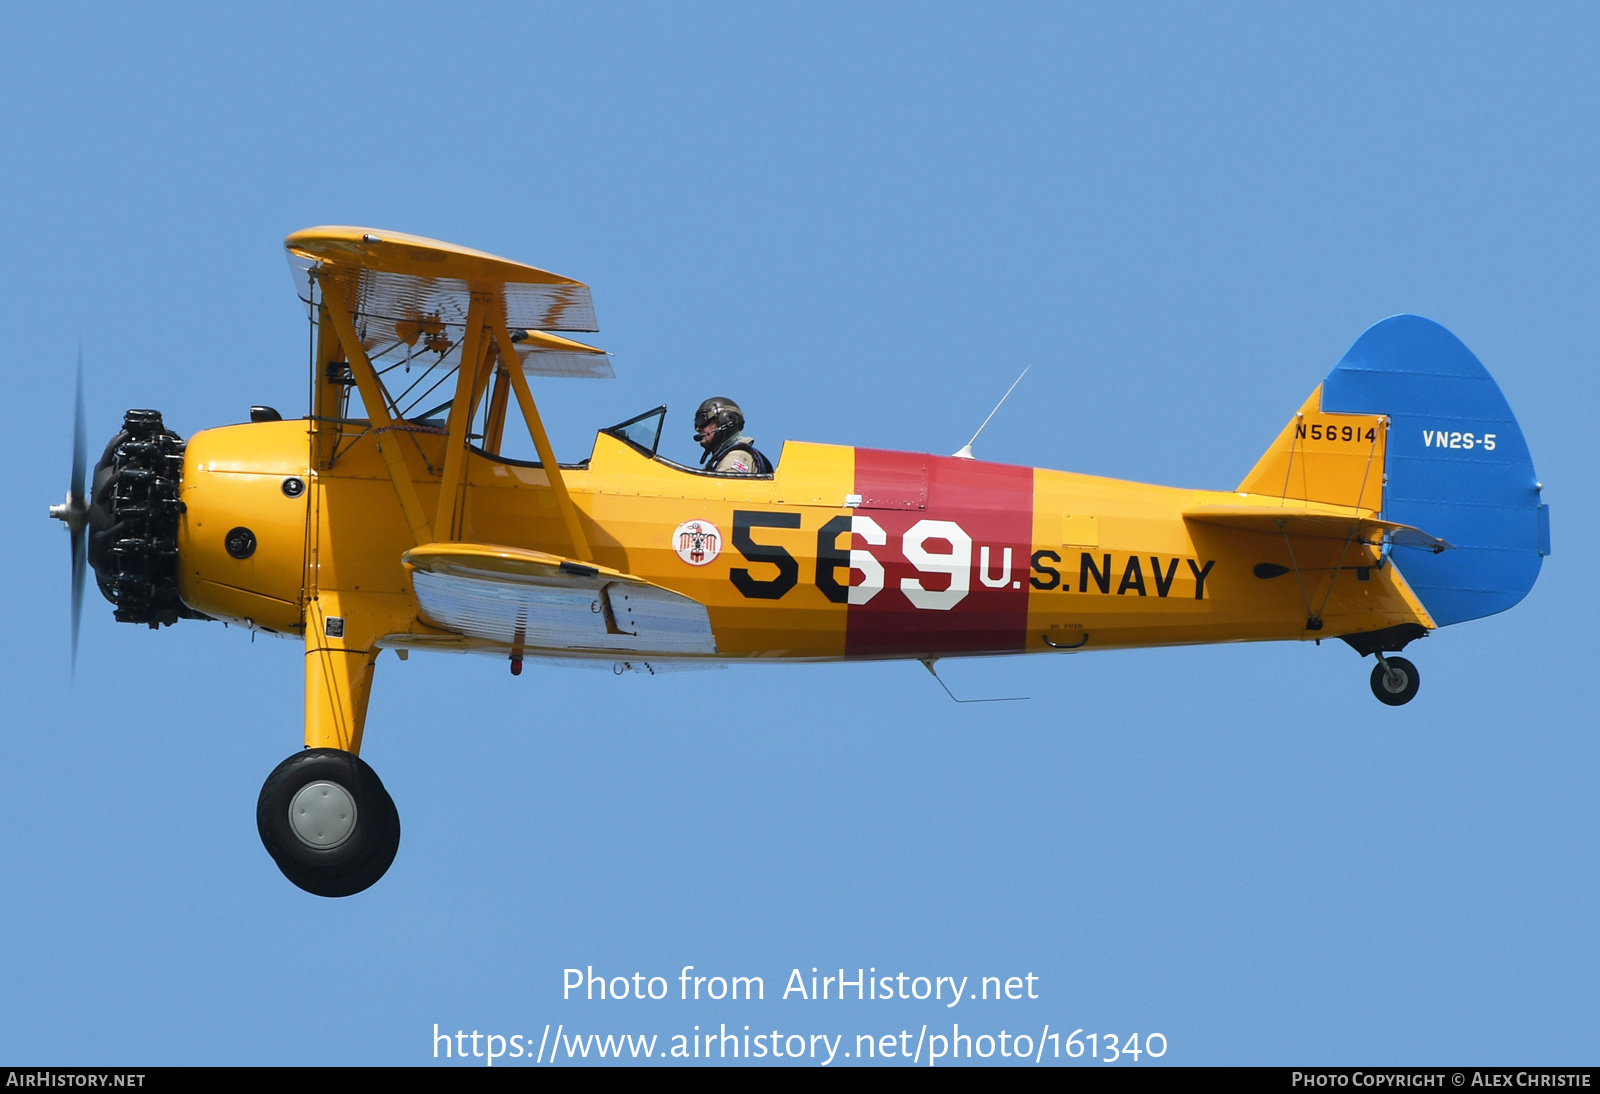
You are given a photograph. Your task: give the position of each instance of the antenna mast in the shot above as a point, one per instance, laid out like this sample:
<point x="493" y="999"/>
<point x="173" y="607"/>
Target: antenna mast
<point x="966" y="450"/>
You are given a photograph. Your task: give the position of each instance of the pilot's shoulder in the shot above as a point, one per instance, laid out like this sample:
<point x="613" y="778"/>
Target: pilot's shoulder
<point x="739" y="460"/>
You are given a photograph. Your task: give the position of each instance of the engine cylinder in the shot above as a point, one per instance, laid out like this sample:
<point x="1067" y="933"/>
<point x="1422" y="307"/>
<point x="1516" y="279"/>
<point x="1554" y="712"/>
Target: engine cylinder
<point x="133" y="521"/>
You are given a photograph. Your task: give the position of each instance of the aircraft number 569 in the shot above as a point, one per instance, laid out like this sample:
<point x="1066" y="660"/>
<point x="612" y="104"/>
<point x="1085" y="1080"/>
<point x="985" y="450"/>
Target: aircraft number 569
<point x="933" y="547"/>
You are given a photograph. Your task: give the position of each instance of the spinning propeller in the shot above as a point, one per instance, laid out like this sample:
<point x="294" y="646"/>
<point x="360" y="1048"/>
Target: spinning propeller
<point x="74" y="513"/>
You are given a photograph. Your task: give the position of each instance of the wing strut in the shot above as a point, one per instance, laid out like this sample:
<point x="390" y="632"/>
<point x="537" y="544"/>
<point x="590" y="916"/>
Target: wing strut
<point x="494" y="429"/>
<point x="394" y="457"/>
<point x="487" y="333"/>
<point x="452" y="487"/>
<point x="541" y="442"/>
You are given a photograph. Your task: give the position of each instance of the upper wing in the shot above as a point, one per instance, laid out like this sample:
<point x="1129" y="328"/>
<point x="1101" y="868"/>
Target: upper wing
<point x="533" y="600"/>
<point x="411" y="294"/>
<point x="1313" y="523"/>
<point x="391" y="277"/>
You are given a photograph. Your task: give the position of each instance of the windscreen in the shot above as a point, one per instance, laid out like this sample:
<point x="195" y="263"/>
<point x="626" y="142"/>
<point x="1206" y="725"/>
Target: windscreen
<point x="643" y="432"/>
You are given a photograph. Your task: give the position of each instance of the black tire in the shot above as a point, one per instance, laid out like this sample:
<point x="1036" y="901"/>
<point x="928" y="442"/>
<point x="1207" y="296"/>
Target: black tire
<point x="368" y="844"/>
<point x="1401" y="672"/>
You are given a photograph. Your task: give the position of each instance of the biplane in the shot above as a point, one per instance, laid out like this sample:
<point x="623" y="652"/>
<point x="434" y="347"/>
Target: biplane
<point x="1398" y="499"/>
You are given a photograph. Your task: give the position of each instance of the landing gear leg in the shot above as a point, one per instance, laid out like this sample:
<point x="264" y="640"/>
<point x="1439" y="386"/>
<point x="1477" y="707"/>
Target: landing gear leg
<point x="1394" y="680"/>
<point x="323" y="814"/>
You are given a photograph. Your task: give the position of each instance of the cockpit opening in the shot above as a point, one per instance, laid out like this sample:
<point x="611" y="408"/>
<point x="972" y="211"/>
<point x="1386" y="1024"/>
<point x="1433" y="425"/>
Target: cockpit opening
<point x="642" y="433"/>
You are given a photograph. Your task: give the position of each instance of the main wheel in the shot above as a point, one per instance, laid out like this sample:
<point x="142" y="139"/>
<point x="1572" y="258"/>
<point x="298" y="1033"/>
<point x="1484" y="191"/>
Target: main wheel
<point x="327" y="822"/>
<point x="1395" y="685"/>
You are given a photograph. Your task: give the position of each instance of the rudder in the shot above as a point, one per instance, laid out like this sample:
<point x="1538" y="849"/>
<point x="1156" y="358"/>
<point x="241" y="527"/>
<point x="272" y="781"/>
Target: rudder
<point x="1457" y="465"/>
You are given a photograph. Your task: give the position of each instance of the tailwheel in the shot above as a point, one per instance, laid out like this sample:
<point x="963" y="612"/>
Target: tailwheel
<point x="1394" y="680"/>
<point x="327" y="822"/>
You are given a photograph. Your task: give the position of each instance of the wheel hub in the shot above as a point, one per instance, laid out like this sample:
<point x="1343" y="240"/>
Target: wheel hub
<point x="322" y="815"/>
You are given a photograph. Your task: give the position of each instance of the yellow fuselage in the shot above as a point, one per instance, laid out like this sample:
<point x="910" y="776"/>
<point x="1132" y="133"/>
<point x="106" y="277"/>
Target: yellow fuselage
<point x="843" y="553"/>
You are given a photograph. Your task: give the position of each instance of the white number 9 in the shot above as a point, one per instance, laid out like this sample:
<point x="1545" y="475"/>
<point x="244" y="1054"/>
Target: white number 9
<point x="957" y="562"/>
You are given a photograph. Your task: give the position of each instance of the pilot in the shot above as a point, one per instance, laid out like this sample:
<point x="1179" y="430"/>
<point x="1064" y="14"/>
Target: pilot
<point x="719" y="427"/>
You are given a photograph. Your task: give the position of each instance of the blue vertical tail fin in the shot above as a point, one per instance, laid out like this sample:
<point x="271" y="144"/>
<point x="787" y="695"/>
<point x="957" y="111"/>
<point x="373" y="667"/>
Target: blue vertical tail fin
<point x="1457" y="466"/>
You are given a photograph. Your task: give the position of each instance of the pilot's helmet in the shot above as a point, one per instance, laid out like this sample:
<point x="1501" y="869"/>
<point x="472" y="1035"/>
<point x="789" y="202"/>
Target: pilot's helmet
<point x="724" y="414"/>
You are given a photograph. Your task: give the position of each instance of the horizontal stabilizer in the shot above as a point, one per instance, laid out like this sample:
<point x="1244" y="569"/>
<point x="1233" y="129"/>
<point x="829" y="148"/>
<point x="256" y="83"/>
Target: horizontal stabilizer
<point x="1306" y="523"/>
<point x="533" y="600"/>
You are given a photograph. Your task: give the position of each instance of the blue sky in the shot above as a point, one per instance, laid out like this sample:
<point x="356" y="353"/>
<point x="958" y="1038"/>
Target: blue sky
<point x="861" y="222"/>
